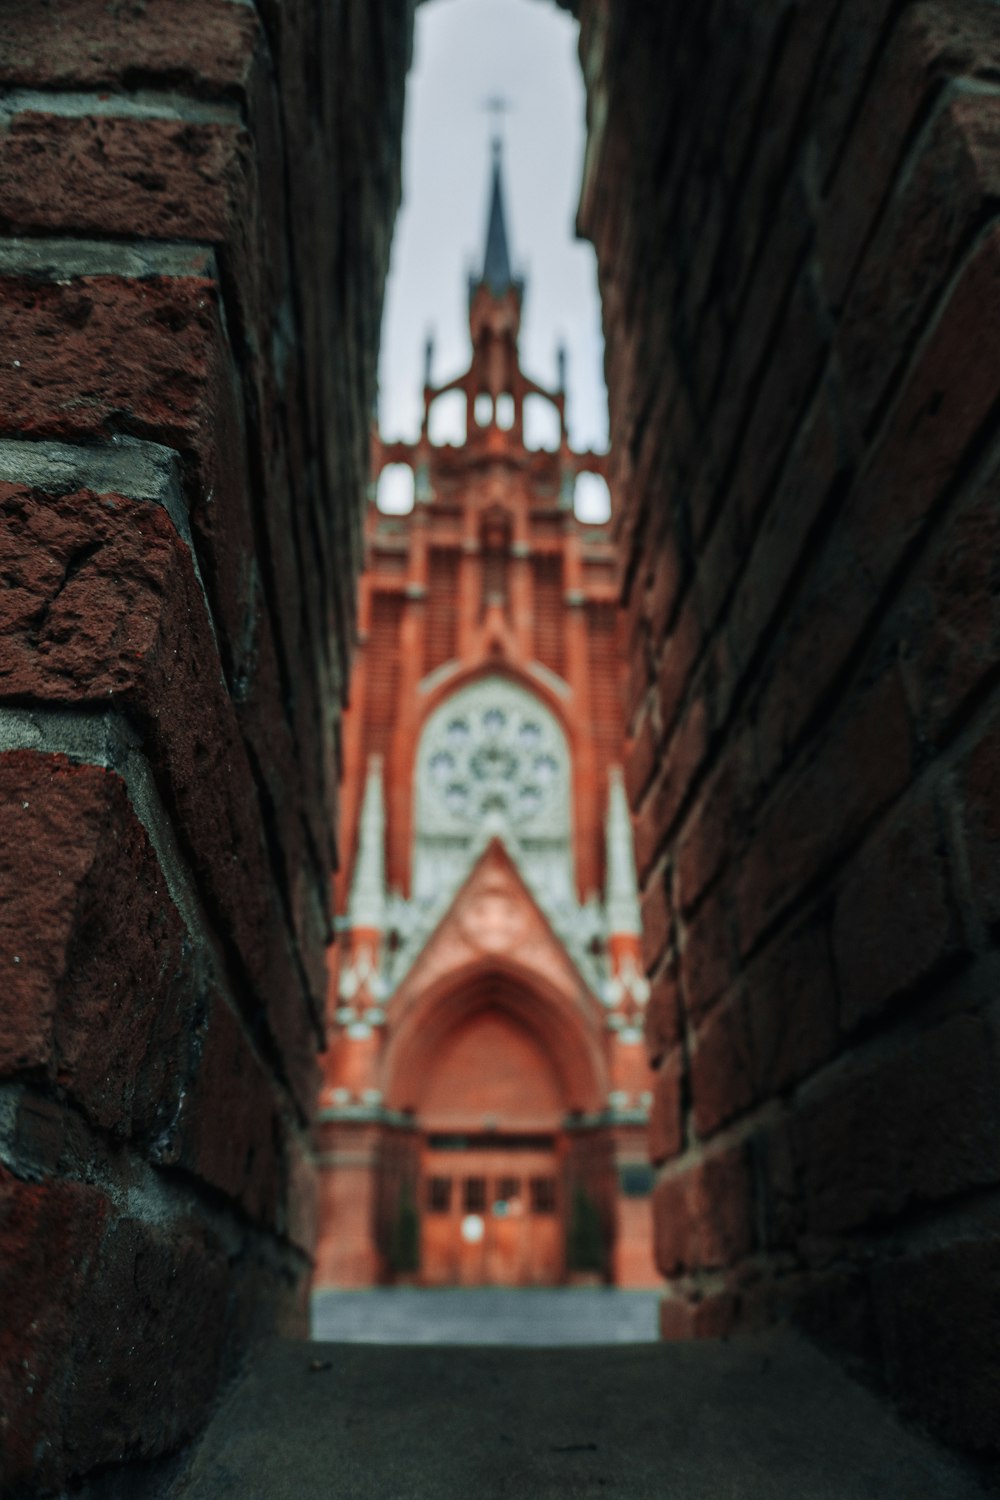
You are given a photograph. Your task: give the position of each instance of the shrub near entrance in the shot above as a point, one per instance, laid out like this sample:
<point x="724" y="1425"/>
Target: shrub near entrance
<point x="585" y="1241"/>
<point x="404" y="1248"/>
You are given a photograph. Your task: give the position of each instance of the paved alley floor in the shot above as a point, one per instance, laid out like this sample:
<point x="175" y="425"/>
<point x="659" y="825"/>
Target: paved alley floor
<point x="486" y="1315"/>
<point x="763" y="1418"/>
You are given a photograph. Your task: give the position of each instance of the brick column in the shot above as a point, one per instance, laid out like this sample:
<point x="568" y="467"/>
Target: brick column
<point x="184" y="321"/>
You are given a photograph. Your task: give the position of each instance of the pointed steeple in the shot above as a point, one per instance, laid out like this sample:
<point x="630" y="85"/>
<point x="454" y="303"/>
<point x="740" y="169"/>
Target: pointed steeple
<point x="367" y="904"/>
<point x="496" y="262"/>
<point x="622" y="894"/>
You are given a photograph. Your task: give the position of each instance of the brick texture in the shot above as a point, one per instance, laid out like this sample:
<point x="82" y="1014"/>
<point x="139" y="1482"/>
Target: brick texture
<point x="793" y="208"/>
<point x="190" y="334"/>
<point x="794" y="211"/>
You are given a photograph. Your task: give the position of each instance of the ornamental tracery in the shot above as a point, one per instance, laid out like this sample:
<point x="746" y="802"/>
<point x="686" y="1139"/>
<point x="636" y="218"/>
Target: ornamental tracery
<point x="494" y="755"/>
<point x="493" y="762"/>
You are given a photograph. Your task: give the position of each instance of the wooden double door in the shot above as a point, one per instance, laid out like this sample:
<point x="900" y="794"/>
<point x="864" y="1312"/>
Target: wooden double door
<point x="491" y="1211"/>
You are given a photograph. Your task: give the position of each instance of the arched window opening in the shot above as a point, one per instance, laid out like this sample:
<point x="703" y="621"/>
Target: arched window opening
<point x="592" y="499"/>
<point x="395" y="488"/>
<point x="446" y="421"/>
<point x="483" y="409"/>
<point x="541" y="424"/>
<point x="505" y="411"/>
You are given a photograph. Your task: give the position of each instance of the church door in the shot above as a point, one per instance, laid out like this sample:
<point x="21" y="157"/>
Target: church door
<point x="492" y="1212"/>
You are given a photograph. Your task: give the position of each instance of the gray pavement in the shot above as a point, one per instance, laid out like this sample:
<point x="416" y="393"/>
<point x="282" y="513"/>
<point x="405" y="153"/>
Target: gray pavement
<point x="486" y="1315"/>
<point x="763" y="1418"/>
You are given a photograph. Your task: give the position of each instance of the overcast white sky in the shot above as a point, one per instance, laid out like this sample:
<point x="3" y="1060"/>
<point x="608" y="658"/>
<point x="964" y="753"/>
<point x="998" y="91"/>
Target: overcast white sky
<point x="466" y="52"/>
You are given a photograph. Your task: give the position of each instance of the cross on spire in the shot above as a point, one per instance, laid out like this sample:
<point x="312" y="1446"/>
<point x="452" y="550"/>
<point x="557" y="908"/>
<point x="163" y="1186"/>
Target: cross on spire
<point x="496" y="262"/>
<point x="497" y="106"/>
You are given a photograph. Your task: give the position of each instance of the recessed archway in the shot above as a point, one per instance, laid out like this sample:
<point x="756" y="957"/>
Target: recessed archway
<point x="492" y="1070"/>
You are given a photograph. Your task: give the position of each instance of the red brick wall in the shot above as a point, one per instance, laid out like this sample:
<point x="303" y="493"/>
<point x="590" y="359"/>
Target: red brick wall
<point x="196" y="198"/>
<point x="795" y="213"/>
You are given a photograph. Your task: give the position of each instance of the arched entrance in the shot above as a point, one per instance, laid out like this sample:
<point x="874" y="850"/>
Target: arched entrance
<point x="494" y="1074"/>
<point x="490" y="1194"/>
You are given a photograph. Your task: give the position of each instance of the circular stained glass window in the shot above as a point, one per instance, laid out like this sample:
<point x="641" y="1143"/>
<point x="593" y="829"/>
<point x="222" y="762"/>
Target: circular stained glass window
<point x="498" y="754"/>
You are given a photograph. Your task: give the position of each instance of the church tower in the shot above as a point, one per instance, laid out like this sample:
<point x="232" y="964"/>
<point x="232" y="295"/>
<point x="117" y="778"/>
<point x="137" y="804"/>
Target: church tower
<point x="485" y="1098"/>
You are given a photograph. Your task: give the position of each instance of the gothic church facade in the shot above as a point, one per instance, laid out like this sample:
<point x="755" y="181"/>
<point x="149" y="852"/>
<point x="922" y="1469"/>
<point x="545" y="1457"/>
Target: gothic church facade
<point x="486" y="1092"/>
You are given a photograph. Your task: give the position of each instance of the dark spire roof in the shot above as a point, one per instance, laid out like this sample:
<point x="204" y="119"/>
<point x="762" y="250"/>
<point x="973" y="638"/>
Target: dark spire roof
<point x="496" y="262"/>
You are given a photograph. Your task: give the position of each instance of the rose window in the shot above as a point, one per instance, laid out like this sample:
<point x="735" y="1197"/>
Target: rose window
<point x="493" y="759"/>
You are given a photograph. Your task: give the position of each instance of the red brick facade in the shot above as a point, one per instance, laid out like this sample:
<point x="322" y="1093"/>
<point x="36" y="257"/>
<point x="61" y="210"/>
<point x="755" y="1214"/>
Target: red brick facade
<point x="794" y="209"/>
<point x="803" y="373"/>
<point x="486" y="997"/>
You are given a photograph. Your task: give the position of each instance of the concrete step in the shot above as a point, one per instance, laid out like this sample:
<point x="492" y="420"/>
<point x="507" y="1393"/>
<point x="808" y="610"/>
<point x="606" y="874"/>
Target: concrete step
<point x="763" y="1418"/>
<point x="551" y="1316"/>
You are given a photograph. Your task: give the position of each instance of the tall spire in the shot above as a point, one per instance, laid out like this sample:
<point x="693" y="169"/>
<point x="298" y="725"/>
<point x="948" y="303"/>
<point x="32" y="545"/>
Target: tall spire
<point x="367" y="904"/>
<point x="496" y="262"/>
<point x="622" y="894"/>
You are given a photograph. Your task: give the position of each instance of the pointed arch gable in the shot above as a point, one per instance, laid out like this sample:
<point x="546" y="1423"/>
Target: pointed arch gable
<point x="569" y="1037"/>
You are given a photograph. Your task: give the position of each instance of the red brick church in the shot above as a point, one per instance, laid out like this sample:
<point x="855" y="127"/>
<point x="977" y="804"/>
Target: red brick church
<point x="486" y="1092"/>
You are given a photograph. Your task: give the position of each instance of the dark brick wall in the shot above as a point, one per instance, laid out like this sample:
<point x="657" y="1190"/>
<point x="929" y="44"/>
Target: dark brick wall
<point x="196" y="199"/>
<point x="795" y="208"/>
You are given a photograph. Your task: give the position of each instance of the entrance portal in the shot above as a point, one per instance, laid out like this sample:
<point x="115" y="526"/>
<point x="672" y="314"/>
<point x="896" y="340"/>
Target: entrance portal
<point x="487" y="1143"/>
<point x="491" y="1205"/>
<point x="492" y="1211"/>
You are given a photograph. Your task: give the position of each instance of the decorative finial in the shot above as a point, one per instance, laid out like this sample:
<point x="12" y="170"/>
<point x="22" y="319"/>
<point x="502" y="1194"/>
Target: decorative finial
<point x="622" y="892"/>
<point x="428" y="358"/>
<point x="367" y="902"/>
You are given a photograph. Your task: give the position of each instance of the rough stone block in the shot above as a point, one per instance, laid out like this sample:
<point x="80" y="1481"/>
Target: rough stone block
<point x="804" y="489"/>
<point x="702" y="1215"/>
<point x="712" y="836"/>
<point x="708" y="956"/>
<point x="916" y="1125"/>
<point x="156" y="1288"/>
<point x="791" y="1009"/>
<point x="664" y="589"/>
<point x="677" y="658"/>
<point x="245" y="1160"/>
<point x="100" y="989"/>
<point x="679" y="767"/>
<point x="944" y="403"/>
<point x="938" y="1315"/>
<point x="666" y="1122"/>
<point x="49" y="1232"/>
<point x="662" y="1020"/>
<point x="895" y="923"/>
<point x="722" y="1085"/>
<point x="979" y="793"/>
<point x="657" y="920"/>
<point x="201" y="45"/>
<point x="101" y="174"/>
<point x="912" y="255"/>
<point x="792" y="372"/>
<point x="864" y="761"/>
<point x="641" y="759"/>
<point x="949" y="622"/>
<point x="711" y="1317"/>
<point x="106" y="606"/>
